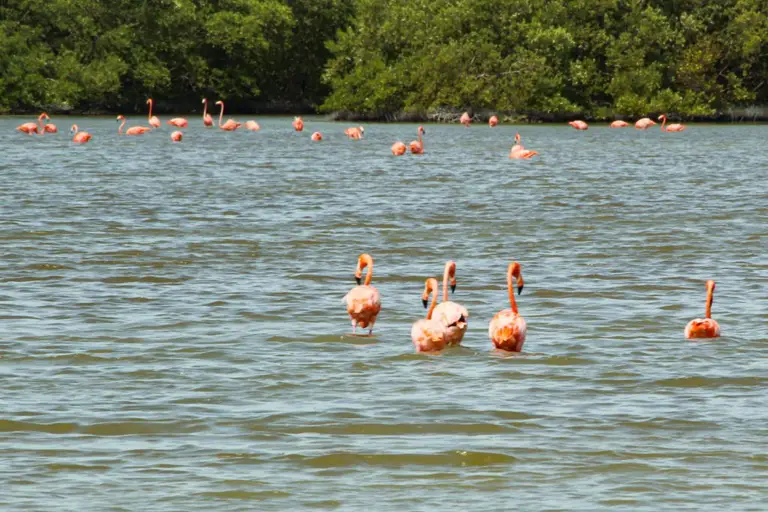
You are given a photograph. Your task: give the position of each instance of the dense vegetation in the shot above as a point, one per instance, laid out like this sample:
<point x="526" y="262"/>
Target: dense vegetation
<point x="374" y="57"/>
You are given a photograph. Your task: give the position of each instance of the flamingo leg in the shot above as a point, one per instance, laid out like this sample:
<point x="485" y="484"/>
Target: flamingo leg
<point x="354" y="327"/>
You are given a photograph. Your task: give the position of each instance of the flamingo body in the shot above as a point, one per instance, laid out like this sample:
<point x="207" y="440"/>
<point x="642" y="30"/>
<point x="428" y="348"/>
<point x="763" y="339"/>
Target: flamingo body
<point x="507" y="329"/>
<point x="619" y="124"/>
<point x="177" y="136"/>
<point x="356" y="132"/>
<point x="178" y="122"/>
<point x="79" y="137"/>
<point x="252" y="126"/>
<point x="579" y="125"/>
<point x="465" y="119"/>
<point x="493" y="121"/>
<point x="398" y="148"/>
<point x="207" y="119"/>
<point x="674" y="127"/>
<point x="644" y="123"/>
<point x="704" y="327"/>
<point x="518" y="152"/>
<point x="363" y="301"/>
<point x="417" y="146"/>
<point x="451" y="315"/>
<point x="231" y="125"/>
<point x="134" y="130"/>
<point x="28" y="128"/>
<point x="428" y="334"/>
<point x="298" y="124"/>
<point x="317" y="136"/>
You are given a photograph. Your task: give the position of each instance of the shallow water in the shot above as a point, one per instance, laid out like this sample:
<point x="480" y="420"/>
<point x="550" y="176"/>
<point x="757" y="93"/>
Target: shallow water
<point x="173" y="336"/>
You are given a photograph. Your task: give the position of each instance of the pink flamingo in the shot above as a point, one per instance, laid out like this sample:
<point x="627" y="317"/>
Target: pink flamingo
<point x="675" y="127"/>
<point x="154" y="122"/>
<point x="519" y="152"/>
<point x="619" y="124"/>
<point x="207" y="119"/>
<point x="230" y="125"/>
<point x="363" y="301"/>
<point x="48" y="127"/>
<point x="428" y="335"/>
<point x="579" y="125"/>
<point x="398" y="148"/>
<point x="452" y="315"/>
<point x="252" y="126"/>
<point x="704" y="327"/>
<point x="317" y="136"/>
<point x="465" y="119"/>
<point x="79" y="137"/>
<point x="417" y="146"/>
<point x="493" y="121"/>
<point x="355" y="132"/>
<point x="134" y="130"/>
<point x="644" y="123"/>
<point x="507" y="328"/>
<point x="177" y="136"/>
<point x="298" y="124"/>
<point x="30" y="128"/>
<point x="178" y="122"/>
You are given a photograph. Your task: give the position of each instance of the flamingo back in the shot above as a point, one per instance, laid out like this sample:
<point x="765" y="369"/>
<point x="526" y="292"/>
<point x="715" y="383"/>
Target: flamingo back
<point x="702" y="328"/>
<point x="428" y="335"/>
<point x="507" y="331"/>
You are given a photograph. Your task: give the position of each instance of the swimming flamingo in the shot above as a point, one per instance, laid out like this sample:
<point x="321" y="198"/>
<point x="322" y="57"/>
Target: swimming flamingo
<point x="134" y="130"/>
<point x="317" y="136"/>
<point x="298" y="124"/>
<point x="47" y="127"/>
<point x="176" y="136"/>
<point x="493" y="121"/>
<point x="704" y="327"/>
<point x="230" y="125"/>
<point x="154" y="122"/>
<point x="398" y="148"/>
<point x="644" y="123"/>
<point x="417" y="146"/>
<point x="363" y="301"/>
<point x="355" y="132"/>
<point x="452" y="315"/>
<point x="465" y="119"/>
<point x="207" y="119"/>
<point x="252" y="126"/>
<point x="79" y="137"/>
<point x="507" y="328"/>
<point x="619" y="124"/>
<point x="30" y="128"/>
<point x="428" y="335"/>
<point x="178" y="122"/>
<point x="579" y="125"/>
<point x="519" y="152"/>
<point x="675" y="127"/>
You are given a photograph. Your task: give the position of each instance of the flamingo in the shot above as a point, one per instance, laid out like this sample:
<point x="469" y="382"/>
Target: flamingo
<point x="154" y="122"/>
<point x="298" y="124"/>
<point x="317" y="136"/>
<point x="252" y="126"/>
<point x="176" y="136"/>
<point x="178" y="122"/>
<point x="30" y="128"/>
<point x="207" y="119"/>
<point x="675" y="127"/>
<point x="619" y="124"/>
<point x="363" y="301"/>
<point x="417" y="146"/>
<point x="47" y="127"/>
<point x="644" y="123"/>
<point x="428" y="334"/>
<point x="493" y="121"/>
<point x="465" y="119"/>
<point x="704" y="327"/>
<point x="356" y="132"/>
<point x="507" y="328"/>
<point x="79" y="137"/>
<point x="398" y="148"/>
<point x="579" y="125"/>
<point x="134" y="130"/>
<point x="230" y="125"/>
<point x="519" y="152"/>
<point x="452" y="315"/>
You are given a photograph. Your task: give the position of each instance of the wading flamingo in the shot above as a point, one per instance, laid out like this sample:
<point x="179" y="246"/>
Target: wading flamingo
<point x="207" y="119"/>
<point x="704" y="327"/>
<point x="317" y="136"/>
<point x="30" y="128"/>
<point x="465" y="119"/>
<point x="417" y="146"/>
<point x="252" y="126"/>
<point x="134" y="130"/>
<point x="644" y="123"/>
<point x="674" y="127"/>
<point x="398" y="148"/>
<point x="363" y="301"/>
<point x="177" y="136"/>
<point x="452" y="315"/>
<point x="579" y="125"/>
<point x="493" y="121"/>
<point x="79" y="137"/>
<point x="47" y="127"/>
<point x="154" y="122"/>
<point x="519" y="152"/>
<point x="428" y="335"/>
<point x="619" y="124"/>
<point x="178" y="122"/>
<point x="507" y="328"/>
<point x="356" y="132"/>
<point x="298" y="124"/>
<point x="230" y="125"/>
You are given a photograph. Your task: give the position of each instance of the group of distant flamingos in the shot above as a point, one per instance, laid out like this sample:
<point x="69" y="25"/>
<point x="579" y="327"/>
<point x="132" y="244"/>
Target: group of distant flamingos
<point x="446" y="323"/>
<point x="416" y="147"/>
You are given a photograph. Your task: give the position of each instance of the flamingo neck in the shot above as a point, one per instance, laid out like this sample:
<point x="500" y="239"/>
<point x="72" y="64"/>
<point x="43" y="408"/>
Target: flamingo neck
<point x="663" y="123"/>
<point x="205" y="108"/>
<point x="446" y="276"/>
<point x="150" y="110"/>
<point x="710" y="299"/>
<point x="511" y="290"/>
<point x="421" y="141"/>
<point x="434" y="301"/>
<point x="221" y="113"/>
<point x="369" y="274"/>
<point x="120" y="129"/>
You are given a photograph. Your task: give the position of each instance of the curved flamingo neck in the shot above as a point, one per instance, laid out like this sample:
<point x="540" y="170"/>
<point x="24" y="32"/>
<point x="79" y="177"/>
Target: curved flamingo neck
<point x="150" y="109"/>
<point x="421" y="141"/>
<point x="450" y="270"/>
<point x="510" y="288"/>
<point x="120" y="129"/>
<point x="221" y="113"/>
<point x="663" y="122"/>
<point x="432" y="284"/>
<point x="369" y="274"/>
<point x="710" y="299"/>
<point x="205" y="108"/>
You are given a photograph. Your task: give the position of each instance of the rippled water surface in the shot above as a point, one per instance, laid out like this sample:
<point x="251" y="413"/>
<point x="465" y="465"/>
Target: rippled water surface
<point x="173" y="336"/>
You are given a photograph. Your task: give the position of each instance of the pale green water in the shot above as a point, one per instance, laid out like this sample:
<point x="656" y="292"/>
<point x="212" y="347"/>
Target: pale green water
<point x="173" y="336"/>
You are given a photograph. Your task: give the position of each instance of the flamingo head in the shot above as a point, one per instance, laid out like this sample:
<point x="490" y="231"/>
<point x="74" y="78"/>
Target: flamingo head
<point x="365" y="260"/>
<point x="429" y="286"/>
<point x="43" y="116"/>
<point x="662" y="117"/>
<point x="517" y="138"/>
<point x="450" y="270"/>
<point x="120" y="117"/>
<point x="73" y="129"/>
<point x="362" y="130"/>
<point x="149" y="101"/>
<point x="422" y="130"/>
<point x="515" y="271"/>
<point x="219" y="102"/>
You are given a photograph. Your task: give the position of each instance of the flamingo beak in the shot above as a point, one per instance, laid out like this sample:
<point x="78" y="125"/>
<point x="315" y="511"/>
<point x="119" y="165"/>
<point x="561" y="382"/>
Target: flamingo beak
<point x="520" y="289"/>
<point x="358" y="279"/>
<point x="453" y="287"/>
<point x="424" y="301"/>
